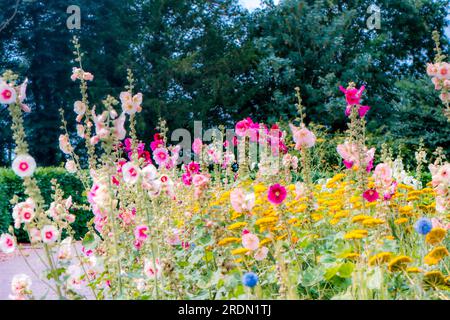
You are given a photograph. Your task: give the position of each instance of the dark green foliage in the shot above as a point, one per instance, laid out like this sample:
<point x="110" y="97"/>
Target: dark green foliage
<point x="216" y="62"/>
<point x="11" y="185"/>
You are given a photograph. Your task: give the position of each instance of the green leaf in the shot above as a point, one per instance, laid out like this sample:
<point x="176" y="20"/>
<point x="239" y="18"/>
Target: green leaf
<point x="346" y="269"/>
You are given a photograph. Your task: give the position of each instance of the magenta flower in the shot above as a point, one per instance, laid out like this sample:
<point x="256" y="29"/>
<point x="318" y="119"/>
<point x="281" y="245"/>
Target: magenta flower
<point x="277" y="193"/>
<point x="371" y="195"/>
<point x="352" y="95"/>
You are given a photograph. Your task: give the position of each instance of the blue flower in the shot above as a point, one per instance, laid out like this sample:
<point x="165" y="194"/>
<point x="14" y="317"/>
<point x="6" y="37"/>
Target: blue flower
<point x="250" y="279"/>
<point x="423" y="226"/>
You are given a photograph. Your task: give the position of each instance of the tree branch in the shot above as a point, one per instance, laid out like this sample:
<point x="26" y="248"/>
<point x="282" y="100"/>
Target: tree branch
<point x="4" y="24"/>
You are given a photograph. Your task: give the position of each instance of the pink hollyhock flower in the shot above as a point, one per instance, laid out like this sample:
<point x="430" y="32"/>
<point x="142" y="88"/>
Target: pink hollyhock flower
<point x="347" y="164"/>
<point x="352" y="95"/>
<point x="197" y="146"/>
<point x="437" y="223"/>
<point x="131" y="105"/>
<point x="261" y="253"/>
<point x="241" y="201"/>
<point x="156" y="144"/>
<point x="88" y="76"/>
<point x="443" y="71"/>
<point x="302" y="137"/>
<point x="130" y="173"/>
<point x="24" y="165"/>
<point x="119" y="127"/>
<point x="242" y="127"/>
<point x="250" y="241"/>
<point x="49" y="234"/>
<point x="64" y="144"/>
<point x="277" y="193"/>
<point x="432" y="69"/>
<point x="35" y="235"/>
<point x="141" y="232"/>
<point x="383" y="174"/>
<point x="152" y="269"/>
<point x="245" y="231"/>
<point x="23" y="96"/>
<point x="161" y="156"/>
<point x="7" y="94"/>
<point x="187" y="179"/>
<point x="7" y="243"/>
<point x="70" y="166"/>
<point x="362" y="110"/>
<point x="371" y="195"/>
<point x="79" y="107"/>
<point x="300" y="190"/>
<point x="193" y="167"/>
<point x="138" y="244"/>
<point x="23" y="212"/>
<point x="80" y="130"/>
<point x="200" y="180"/>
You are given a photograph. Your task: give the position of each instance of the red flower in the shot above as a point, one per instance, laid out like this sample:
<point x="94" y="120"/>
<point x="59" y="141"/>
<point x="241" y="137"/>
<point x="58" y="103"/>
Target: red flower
<point x="371" y="195"/>
<point x="277" y="193"/>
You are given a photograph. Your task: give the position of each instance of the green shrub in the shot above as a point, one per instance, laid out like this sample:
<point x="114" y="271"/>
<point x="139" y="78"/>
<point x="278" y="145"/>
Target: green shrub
<point x="11" y="184"/>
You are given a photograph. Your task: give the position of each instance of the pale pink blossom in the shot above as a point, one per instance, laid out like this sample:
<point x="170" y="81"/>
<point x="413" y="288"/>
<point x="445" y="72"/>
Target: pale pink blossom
<point x="303" y="138"/>
<point x="20" y="287"/>
<point x="70" y="166"/>
<point x="197" y="146"/>
<point x="24" y="165"/>
<point x="131" y="104"/>
<point x="64" y="144"/>
<point x="23" y="212"/>
<point x="261" y="253"/>
<point x="49" y="234"/>
<point x="250" y="241"/>
<point x="79" y="107"/>
<point x="241" y="201"/>
<point x="131" y="173"/>
<point x="152" y="269"/>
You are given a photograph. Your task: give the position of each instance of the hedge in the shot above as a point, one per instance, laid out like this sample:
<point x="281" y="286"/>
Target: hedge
<point x="11" y="184"/>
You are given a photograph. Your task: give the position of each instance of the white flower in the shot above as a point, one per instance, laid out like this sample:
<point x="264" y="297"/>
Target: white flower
<point x="130" y="173"/>
<point x="71" y="166"/>
<point x="20" y="285"/>
<point x="7" y="243"/>
<point x="7" y="94"/>
<point x="24" y="165"/>
<point x="49" y="234"/>
<point x="79" y="107"/>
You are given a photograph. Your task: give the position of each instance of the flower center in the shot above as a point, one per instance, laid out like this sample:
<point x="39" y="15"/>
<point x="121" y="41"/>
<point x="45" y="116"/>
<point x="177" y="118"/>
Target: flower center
<point x="23" y="166"/>
<point x="48" y="235"/>
<point x="6" y="94"/>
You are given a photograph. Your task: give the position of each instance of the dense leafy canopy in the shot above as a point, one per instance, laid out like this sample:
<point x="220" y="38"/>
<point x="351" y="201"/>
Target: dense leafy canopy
<point x="215" y="61"/>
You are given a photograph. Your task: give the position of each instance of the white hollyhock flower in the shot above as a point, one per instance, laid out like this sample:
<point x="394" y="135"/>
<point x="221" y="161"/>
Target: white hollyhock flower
<point x="7" y="243"/>
<point x="24" y="165"/>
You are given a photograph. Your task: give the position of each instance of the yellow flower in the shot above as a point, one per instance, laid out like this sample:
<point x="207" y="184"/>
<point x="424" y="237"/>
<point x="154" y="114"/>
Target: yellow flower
<point x="380" y="258"/>
<point x="436" y="255"/>
<point x="264" y="241"/>
<point x="434" y="278"/>
<point x="371" y="222"/>
<point x="354" y="235"/>
<point x="282" y="236"/>
<point x="360" y="218"/>
<point x="399" y="263"/>
<point x="316" y="216"/>
<point x="266" y="220"/>
<point x="401" y="221"/>
<point x="229" y="240"/>
<point x="237" y="225"/>
<point x="435" y="236"/>
<point x="413" y="270"/>
<point x="239" y="251"/>
<point x="259" y="188"/>
<point x="351" y="256"/>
